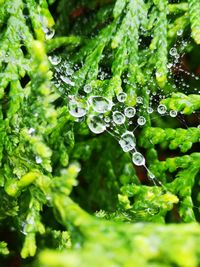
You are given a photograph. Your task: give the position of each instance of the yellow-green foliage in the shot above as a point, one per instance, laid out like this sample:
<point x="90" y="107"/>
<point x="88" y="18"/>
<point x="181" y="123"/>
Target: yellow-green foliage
<point x="73" y="198"/>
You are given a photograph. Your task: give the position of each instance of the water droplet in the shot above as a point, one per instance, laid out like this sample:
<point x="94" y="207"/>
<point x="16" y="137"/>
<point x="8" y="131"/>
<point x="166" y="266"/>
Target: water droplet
<point x="118" y="117"/>
<point x="151" y="175"/>
<point x="141" y="120"/>
<point x="129" y="112"/>
<point x="173" y="51"/>
<point x="138" y="159"/>
<point x="49" y="33"/>
<point x="150" y="110"/>
<point x="55" y="60"/>
<point x="161" y="109"/>
<point x="66" y="80"/>
<point x="38" y="160"/>
<point x="169" y="65"/>
<point x="121" y="97"/>
<point x="173" y="113"/>
<point x="23" y="230"/>
<point x="87" y="89"/>
<point x="100" y="104"/>
<point x="31" y="130"/>
<point x="77" y="107"/>
<point x="139" y="100"/>
<point x="127" y="141"/>
<point x="107" y="119"/>
<point x="96" y="124"/>
<point x="180" y="32"/>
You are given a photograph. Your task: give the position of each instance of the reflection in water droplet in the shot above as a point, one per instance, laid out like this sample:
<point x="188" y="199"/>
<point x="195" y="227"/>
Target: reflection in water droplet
<point x="151" y="175"/>
<point x="118" y="117"/>
<point x="169" y="65"/>
<point x="149" y="110"/>
<point x="55" y="60"/>
<point x="66" y="80"/>
<point x="121" y="97"/>
<point x="49" y="33"/>
<point x="129" y="112"/>
<point x="77" y="108"/>
<point x="173" y="51"/>
<point x="173" y="113"/>
<point x="141" y="120"/>
<point x="100" y="104"/>
<point x="96" y="124"/>
<point x="139" y="100"/>
<point x="138" y="159"/>
<point x="127" y="141"/>
<point x="161" y="109"/>
<point x="180" y="32"/>
<point x="107" y="119"/>
<point x="38" y="160"/>
<point x="87" y="89"/>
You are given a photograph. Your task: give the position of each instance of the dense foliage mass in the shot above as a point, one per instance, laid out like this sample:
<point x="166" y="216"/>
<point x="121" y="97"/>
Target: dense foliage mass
<point x="99" y="133"/>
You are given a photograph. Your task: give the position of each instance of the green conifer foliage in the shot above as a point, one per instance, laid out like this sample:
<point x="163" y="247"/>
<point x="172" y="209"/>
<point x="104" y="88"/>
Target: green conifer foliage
<point x="77" y="80"/>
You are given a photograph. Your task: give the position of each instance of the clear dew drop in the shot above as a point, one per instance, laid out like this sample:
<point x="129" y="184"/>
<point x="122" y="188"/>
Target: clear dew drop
<point x="96" y="124"/>
<point x="66" y="80"/>
<point x="151" y="175"/>
<point x="77" y="108"/>
<point x="31" y="131"/>
<point x="107" y="119"/>
<point x="121" y="97"/>
<point x="54" y="60"/>
<point x="173" y="113"/>
<point x="49" y="33"/>
<point x="149" y="110"/>
<point x="38" y="160"/>
<point x="100" y="104"/>
<point x="139" y="100"/>
<point x="129" y="112"/>
<point x="180" y="32"/>
<point x="173" y="51"/>
<point x="138" y="159"/>
<point x="23" y="230"/>
<point x="169" y="65"/>
<point x="127" y="141"/>
<point x="87" y="89"/>
<point x="161" y="109"/>
<point x="118" y="117"/>
<point x="141" y="120"/>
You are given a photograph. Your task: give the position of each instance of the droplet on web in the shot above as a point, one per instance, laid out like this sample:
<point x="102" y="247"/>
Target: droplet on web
<point x="139" y="100"/>
<point x="96" y="124"/>
<point x="54" y="60"/>
<point x="121" y="97"/>
<point x="173" y="51"/>
<point x="77" y="107"/>
<point x="141" y="120"/>
<point x="100" y="104"/>
<point x="127" y="141"/>
<point x="87" y="89"/>
<point x="138" y="159"/>
<point x="118" y="117"/>
<point x="66" y="80"/>
<point x="173" y="113"/>
<point x="149" y="110"/>
<point x="180" y="32"/>
<point x="161" y="109"/>
<point x="129" y="112"/>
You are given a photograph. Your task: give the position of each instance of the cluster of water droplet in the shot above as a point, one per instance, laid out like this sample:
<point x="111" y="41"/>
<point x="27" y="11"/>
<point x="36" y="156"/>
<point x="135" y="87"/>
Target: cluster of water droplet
<point x="113" y="115"/>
